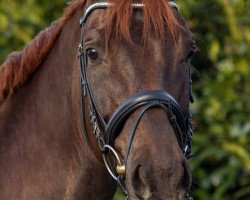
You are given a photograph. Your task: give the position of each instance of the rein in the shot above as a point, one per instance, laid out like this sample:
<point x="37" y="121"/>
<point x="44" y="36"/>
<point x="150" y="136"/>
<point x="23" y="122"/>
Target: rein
<point x="182" y="123"/>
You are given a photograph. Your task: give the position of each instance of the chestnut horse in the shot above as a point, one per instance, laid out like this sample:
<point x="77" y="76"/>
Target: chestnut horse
<point x="121" y="118"/>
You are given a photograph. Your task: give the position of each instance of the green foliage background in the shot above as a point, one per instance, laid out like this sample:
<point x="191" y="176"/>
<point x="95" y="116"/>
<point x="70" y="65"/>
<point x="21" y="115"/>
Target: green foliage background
<point x="221" y="165"/>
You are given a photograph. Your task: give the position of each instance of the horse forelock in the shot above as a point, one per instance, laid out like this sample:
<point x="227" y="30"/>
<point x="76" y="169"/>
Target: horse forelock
<point x="18" y="66"/>
<point x="158" y="16"/>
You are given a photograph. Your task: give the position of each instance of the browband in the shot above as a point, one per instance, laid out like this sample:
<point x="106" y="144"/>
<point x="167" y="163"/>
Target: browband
<point x="104" y="4"/>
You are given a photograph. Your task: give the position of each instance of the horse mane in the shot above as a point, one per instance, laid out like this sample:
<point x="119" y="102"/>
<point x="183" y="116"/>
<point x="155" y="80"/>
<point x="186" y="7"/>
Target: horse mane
<point x="20" y="65"/>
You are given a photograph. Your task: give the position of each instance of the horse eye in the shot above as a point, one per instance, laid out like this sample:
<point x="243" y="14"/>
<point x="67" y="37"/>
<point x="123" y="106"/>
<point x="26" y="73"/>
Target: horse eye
<point x="93" y="54"/>
<point x="191" y="54"/>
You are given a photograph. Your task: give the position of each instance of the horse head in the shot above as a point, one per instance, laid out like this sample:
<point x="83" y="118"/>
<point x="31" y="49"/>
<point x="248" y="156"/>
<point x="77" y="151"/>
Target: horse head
<point x="135" y="71"/>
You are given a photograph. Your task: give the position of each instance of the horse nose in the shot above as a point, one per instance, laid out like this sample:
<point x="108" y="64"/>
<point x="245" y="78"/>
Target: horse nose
<point x="160" y="181"/>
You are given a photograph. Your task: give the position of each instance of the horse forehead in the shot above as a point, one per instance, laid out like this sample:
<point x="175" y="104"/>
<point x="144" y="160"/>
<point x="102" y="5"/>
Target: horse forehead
<point x="97" y="19"/>
<point x="155" y="47"/>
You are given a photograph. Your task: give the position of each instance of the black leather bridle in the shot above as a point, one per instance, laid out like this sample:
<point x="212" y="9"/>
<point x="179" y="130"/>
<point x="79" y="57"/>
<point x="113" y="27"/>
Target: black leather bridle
<point x="182" y="123"/>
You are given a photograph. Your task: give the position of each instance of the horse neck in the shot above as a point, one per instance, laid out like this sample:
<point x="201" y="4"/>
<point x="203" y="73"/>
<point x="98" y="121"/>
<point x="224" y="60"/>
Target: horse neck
<point x="46" y="112"/>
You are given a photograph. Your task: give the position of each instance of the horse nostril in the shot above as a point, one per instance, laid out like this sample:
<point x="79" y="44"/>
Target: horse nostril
<point x="136" y="178"/>
<point x="173" y="179"/>
<point x="139" y="184"/>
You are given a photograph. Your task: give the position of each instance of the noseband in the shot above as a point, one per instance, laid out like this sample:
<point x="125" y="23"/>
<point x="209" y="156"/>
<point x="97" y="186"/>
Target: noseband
<point x="141" y="102"/>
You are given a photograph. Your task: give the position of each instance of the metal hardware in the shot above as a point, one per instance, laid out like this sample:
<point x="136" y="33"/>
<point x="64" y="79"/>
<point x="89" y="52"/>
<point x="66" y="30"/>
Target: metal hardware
<point x="121" y="170"/>
<point x="119" y="163"/>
